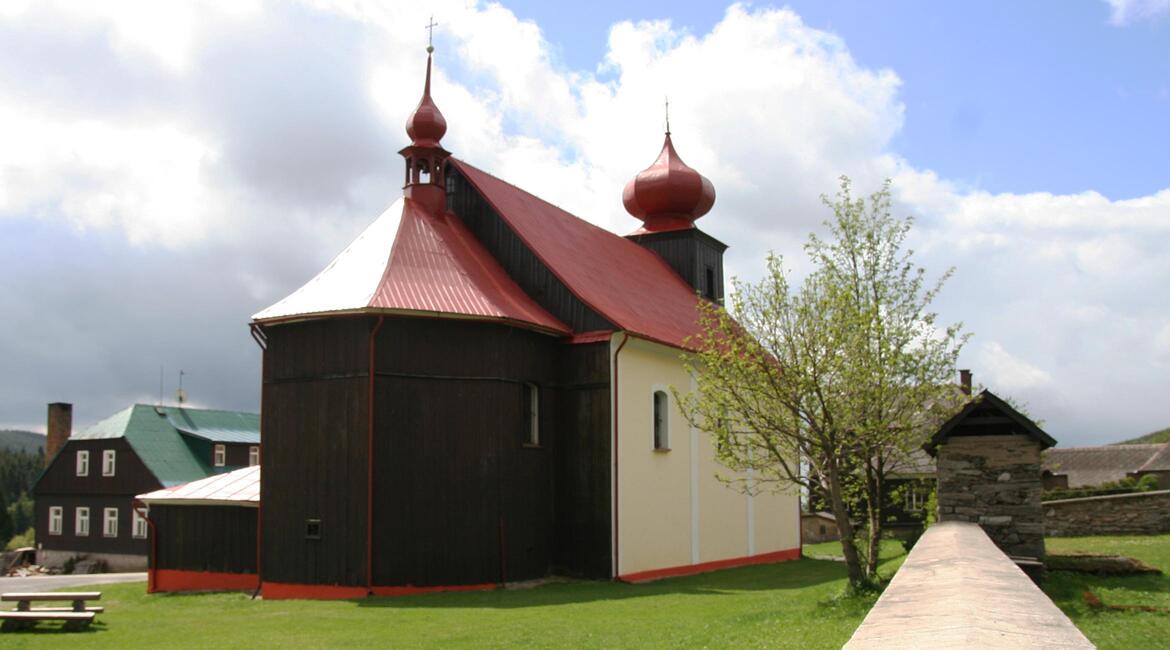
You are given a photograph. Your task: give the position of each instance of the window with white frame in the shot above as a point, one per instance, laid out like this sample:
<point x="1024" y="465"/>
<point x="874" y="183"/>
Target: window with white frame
<point x="661" y="420"/>
<point x="138" y="531"/>
<point x="81" y="522"/>
<point x="82" y="462"/>
<point x="253" y="456"/>
<point x="56" y="519"/>
<point x="531" y="397"/>
<point x="110" y="522"/>
<point x="219" y="458"/>
<point x="109" y="456"/>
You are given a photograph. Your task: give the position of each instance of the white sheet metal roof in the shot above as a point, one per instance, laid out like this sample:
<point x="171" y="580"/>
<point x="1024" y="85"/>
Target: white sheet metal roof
<point x="238" y="488"/>
<point x="350" y="280"/>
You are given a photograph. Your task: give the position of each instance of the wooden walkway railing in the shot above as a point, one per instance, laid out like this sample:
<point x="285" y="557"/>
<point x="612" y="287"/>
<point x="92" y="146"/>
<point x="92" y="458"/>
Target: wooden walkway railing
<point x="958" y="590"/>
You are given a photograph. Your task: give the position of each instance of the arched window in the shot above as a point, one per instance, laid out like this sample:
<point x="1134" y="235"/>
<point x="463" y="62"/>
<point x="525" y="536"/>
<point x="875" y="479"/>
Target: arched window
<point x="661" y="420"/>
<point x="424" y="169"/>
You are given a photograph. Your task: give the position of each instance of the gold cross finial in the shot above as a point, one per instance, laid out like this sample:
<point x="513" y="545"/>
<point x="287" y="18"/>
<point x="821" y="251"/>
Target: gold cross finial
<point x="431" y="25"/>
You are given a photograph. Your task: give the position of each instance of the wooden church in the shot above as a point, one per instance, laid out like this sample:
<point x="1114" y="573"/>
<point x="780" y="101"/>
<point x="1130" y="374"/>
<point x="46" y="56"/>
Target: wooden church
<point x="478" y="391"/>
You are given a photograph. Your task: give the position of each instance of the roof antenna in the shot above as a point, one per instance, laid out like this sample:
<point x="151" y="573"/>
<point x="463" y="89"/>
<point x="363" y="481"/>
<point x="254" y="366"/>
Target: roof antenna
<point x="180" y="395"/>
<point x="668" y="115"/>
<point x="431" y="25"/>
<point x="160" y="385"/>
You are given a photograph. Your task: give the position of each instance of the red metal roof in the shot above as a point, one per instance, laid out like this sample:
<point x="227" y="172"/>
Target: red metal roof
<point x="239" y="488"/>
<point x="629" y="285"/>
<point x="437" y="265"/>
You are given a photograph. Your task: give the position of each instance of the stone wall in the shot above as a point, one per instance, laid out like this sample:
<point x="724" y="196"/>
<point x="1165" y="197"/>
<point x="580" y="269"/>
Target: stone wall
<point x="1138" y="513"/>
<point x="994" y="481"/>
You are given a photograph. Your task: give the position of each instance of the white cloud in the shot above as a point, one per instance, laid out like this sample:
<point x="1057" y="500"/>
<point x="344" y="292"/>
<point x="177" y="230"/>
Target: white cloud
<point x="1007" y="372"/>
<point x="266" y="139"/>
<point x="1127" y="12"/>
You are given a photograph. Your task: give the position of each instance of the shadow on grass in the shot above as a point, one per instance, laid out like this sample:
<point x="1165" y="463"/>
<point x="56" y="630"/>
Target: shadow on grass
<point x="796" y="574"/>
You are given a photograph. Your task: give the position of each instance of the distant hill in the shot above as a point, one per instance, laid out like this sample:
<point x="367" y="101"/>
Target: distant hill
<point x="26" y="441"/>
<point x="1149" y="438"/>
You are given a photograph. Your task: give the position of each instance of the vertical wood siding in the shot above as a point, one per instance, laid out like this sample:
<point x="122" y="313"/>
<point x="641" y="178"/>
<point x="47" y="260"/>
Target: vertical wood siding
<point x="690" y="253"/>
<point x="205" y="538"/>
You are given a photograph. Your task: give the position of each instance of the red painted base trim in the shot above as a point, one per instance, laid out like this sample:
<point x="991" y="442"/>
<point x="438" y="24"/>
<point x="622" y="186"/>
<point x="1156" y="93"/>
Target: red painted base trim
<point x="715" y="565"/>
<point x="168" y="580"/>
<point x="286" y="591"/>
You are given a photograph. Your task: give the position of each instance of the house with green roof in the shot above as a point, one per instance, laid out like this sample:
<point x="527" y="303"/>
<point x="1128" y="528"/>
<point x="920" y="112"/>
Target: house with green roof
<point x="85" y="497"/>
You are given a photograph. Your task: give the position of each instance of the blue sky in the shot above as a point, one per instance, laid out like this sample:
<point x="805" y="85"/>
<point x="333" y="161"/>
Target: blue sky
<point x="169" y="169"/>
<point x="1003" y="96"/>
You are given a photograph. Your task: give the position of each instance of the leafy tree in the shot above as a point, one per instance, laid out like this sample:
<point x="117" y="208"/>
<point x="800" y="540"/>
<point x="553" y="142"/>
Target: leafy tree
<point x="829" y="386"/>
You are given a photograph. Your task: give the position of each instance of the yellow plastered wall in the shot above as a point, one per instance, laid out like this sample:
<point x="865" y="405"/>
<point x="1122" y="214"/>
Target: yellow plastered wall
<point x="671" y="509"/>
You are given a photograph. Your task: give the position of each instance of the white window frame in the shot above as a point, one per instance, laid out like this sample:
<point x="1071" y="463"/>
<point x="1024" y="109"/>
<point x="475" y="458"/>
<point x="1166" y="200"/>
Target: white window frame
<point x="109" y="522"/>
<point x="253" y="455"/>
<point x="81" y="521"/>
<point x="109" y="462"/>
<point x="532" y="417"/>
<point x="56" y="520"/>
<point x="82" y="465"/>
<point x="139" y="529"/>
<point x="664" y="443"/>
<point x="219" y="455"/>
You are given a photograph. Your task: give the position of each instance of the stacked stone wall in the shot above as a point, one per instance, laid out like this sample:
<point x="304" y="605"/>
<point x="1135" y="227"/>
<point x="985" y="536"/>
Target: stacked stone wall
<point x="1115" y="514"/>
<point x="994" y="481"/>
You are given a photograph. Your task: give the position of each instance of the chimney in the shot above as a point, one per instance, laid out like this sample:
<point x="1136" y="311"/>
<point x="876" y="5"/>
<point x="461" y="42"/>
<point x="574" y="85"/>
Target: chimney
<point x="60" y="427"/>
<point x="965" y="381"/>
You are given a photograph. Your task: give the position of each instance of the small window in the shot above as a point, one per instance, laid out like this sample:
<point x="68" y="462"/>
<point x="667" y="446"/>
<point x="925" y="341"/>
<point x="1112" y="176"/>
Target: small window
<point x="56" y="516"/>
<point x="110" y="522"/>
<point x="219" y="458"/>
<point x="312" y="529"/>
<point x="81" y="522"/>
<point x="915" y="500"/>
<point x="82" y="462"/>
<point x="139" y="530"/>
<point x="709" y="287"/>
<point x="531" y="415"/>
<point x="661" y="420"/>
<point x="109" y="457"/>
<point x="253" y="456"/>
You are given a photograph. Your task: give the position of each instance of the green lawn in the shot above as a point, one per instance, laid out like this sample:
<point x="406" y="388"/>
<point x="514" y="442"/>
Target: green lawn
<point x="1113" y="629"/>
<point x="787" y="605"/>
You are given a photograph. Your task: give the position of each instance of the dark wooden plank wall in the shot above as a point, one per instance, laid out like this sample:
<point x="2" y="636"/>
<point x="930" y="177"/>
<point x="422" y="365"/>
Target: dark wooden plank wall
<point x="581" y="464"/>
<point x="205" y="538"/>
<point x="314" y="461"/>
<point x="517" y="259"/>
<point x="95" y="542"/>
<point x="690" y="253"/>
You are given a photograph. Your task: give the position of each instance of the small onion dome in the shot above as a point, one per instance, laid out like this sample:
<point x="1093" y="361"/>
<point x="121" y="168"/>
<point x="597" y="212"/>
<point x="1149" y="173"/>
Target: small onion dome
<point x="668" y="195"/>
<point x="426" y="124"/>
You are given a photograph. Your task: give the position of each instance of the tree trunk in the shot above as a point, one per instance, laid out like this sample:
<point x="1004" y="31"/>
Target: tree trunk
<point x="873" y="509"/>
<point x="845" y="527"/>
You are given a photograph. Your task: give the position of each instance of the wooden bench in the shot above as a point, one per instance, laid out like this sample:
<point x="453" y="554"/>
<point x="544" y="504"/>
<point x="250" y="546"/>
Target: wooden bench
<point x="25" y="615"/>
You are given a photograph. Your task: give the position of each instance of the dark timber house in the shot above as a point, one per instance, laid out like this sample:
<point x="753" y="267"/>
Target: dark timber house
<point x="442" y="406"/>
<point x="84" y="497"/>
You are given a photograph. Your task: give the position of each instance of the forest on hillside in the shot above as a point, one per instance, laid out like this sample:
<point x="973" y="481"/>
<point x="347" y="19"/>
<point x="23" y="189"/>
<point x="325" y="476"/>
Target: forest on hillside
<point x="18" y="470"/>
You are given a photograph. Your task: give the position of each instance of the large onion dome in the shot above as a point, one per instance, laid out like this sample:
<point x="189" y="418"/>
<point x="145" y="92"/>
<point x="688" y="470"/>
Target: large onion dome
<point x="668" y="195"/>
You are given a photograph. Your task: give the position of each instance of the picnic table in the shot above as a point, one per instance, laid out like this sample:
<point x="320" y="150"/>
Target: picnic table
<point x="76" y="616"/>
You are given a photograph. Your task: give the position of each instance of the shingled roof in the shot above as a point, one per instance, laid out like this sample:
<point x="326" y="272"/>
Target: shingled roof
<point x="1090" y="466"/>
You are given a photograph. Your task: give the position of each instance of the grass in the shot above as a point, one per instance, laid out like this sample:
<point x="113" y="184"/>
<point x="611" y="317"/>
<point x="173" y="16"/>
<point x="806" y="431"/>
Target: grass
<point x="1115" y="629"/>
<point x="788" y="605"/>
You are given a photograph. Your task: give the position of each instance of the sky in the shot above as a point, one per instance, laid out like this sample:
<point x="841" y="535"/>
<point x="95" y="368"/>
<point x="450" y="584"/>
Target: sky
<point x="169" y="169"/>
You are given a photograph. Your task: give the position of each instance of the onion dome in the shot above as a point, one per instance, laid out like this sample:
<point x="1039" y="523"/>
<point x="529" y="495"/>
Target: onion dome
<point x="668" y="195"/>
<point x="426" y="124"/>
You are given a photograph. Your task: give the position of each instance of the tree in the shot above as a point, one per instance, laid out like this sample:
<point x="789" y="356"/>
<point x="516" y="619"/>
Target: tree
<point x="827" y="387"/>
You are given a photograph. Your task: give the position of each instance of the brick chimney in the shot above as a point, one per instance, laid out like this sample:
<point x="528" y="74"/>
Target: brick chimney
<point x="965" y="381"/>
<point x="60" y="427"/>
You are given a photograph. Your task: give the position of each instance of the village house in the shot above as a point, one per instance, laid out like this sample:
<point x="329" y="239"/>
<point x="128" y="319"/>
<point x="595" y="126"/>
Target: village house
<point x="1075" y="467"/>
<point x="84" y="498"/>
<point x="478" y="390"/>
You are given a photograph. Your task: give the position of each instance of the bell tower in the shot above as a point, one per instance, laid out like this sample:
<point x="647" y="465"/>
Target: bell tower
<point x="668" y="196"/>
<point x="425" y="157"/>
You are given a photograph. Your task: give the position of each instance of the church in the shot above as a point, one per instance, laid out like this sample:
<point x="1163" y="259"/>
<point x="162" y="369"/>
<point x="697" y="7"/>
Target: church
<point x="478" y="391"/>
